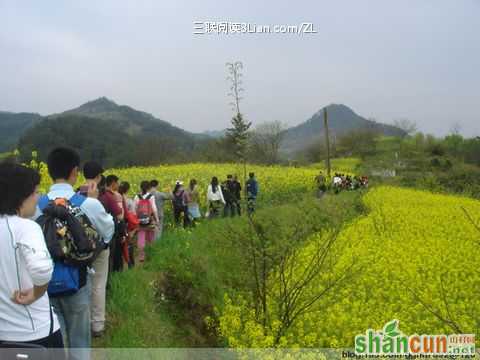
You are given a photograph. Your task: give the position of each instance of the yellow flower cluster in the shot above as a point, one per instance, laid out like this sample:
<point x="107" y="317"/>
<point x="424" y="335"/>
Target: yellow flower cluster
<point x="417" y="258"/>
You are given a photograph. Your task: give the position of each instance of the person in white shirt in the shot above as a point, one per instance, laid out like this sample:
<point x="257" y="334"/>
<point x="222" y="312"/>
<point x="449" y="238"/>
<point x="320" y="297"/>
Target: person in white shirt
<point x="25" y="264"/>
<point x="73" y="310"/>
<point x="215" y="199"/>
<point x="337" y="180"/>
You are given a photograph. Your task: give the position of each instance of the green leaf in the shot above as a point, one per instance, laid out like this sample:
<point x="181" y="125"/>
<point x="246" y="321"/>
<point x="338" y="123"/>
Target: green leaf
<point x="390" y="327"/>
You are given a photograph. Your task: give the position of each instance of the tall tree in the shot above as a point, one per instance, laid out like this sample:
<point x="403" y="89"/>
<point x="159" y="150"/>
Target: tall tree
<point x="238" y="133"/>
<point x="235" y="74"/>
<point x="238" y="136"/>
<point x="358" y="143"/>
<point x="266" y="140"/>
<point x="410" y="127"/>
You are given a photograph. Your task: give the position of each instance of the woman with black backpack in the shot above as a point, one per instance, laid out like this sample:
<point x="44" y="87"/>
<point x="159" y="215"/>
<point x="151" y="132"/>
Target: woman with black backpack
<point x="180" y="202"/>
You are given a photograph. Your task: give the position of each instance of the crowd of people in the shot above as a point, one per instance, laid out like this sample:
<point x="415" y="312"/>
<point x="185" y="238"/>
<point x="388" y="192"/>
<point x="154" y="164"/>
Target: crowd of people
<point x="348" y="182"/>
<point x="59" y="248"/>
<point x="340" y="182"/>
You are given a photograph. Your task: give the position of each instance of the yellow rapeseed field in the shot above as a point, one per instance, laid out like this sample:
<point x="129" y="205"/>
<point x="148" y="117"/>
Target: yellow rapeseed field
<point x="418" y="259"/>
<point x="277" y="183"/>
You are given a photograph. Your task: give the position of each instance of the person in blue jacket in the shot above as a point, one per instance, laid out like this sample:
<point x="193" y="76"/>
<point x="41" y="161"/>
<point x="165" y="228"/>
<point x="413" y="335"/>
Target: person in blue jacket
<point x="252" y="193"/>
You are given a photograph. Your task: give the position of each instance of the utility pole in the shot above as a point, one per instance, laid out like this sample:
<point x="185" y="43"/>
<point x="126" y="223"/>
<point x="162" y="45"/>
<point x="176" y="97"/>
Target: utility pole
<point x="327" y="140"/>
<point x="334" y="145"/>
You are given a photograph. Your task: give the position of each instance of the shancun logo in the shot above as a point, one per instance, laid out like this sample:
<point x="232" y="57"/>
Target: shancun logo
<point x="391" y="341"/>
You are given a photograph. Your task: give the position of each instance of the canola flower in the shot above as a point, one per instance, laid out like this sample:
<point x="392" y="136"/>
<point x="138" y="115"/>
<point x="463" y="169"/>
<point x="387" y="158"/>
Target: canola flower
<point x="416" y="250"/>
<point x="417" y="256"/>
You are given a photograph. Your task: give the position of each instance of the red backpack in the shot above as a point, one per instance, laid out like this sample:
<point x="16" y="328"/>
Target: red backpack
<point x="144" y="210"/>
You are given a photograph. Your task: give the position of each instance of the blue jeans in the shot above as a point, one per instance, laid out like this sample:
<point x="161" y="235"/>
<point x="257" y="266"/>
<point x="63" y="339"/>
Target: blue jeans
<point x="73" y="313"/>
<point x="251" y="204"/>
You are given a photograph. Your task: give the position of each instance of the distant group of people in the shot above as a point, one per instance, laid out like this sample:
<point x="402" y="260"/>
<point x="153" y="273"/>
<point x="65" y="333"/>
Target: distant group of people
<point x="225" y="198"/>
<point x="340" y="182"/>
<point x="143" y="216"/>
<point x="348" y="182"/>
<point x="58" y="249"/>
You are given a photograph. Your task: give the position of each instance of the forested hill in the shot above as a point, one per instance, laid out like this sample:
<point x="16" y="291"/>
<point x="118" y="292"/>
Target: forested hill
<point x="115" y="135"/>
<point x="12" y="126"/>
<point x="341" y="120"/>
<point x="102" y="140"/>
<point x="131" y="121"/>
<point x="119" y="135"/>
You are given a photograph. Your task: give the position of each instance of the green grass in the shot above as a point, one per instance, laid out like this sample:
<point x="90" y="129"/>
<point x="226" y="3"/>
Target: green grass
<point x="194" y="269"/>
<point x="135" y="318"/>
<point x="347" y="164"/>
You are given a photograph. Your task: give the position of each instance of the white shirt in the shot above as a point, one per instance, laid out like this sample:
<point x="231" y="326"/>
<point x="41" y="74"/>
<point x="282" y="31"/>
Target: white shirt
<point x="130" y="204"/>
<point x="217" y="196"/>
<point x="22" y="247"/>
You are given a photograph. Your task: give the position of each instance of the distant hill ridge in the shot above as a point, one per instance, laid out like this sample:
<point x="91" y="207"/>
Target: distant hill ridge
<point x="341" y="119"/>
<point x="28" y="130"/>
<point x="115" y="135"/>
<point x="133" y="121"/>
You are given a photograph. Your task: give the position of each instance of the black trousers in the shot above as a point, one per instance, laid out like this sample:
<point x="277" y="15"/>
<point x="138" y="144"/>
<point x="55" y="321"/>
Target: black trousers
<point x="116" y="249"/>
<point x="131" y="256"/>
<point x="177" y="214"/>
<point x="238" y="203"/>
<point x="53" y="342"/>
<point x="116" y="256"/>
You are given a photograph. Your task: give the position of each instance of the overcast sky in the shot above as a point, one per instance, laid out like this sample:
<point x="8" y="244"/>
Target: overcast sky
<point x="415" y="59"/>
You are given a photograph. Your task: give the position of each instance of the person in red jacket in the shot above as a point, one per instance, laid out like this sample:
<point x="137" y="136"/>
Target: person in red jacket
<point x="132" y="224"/>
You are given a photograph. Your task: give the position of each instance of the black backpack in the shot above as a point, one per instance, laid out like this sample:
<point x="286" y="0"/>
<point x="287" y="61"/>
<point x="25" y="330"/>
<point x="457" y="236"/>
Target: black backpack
<point x="178" y="201"/>
<point x="69" y="234"/>
<point x="228" y="193"/>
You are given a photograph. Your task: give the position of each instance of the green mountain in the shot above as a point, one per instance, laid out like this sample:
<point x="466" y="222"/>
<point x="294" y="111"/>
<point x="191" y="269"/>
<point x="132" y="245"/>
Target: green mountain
<point x="341" y="120"/>
<point x="133" y="122"/>
<point x="94" y="139"/>
<point x="12" y="126"/>
<point x="116" y="135"/>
